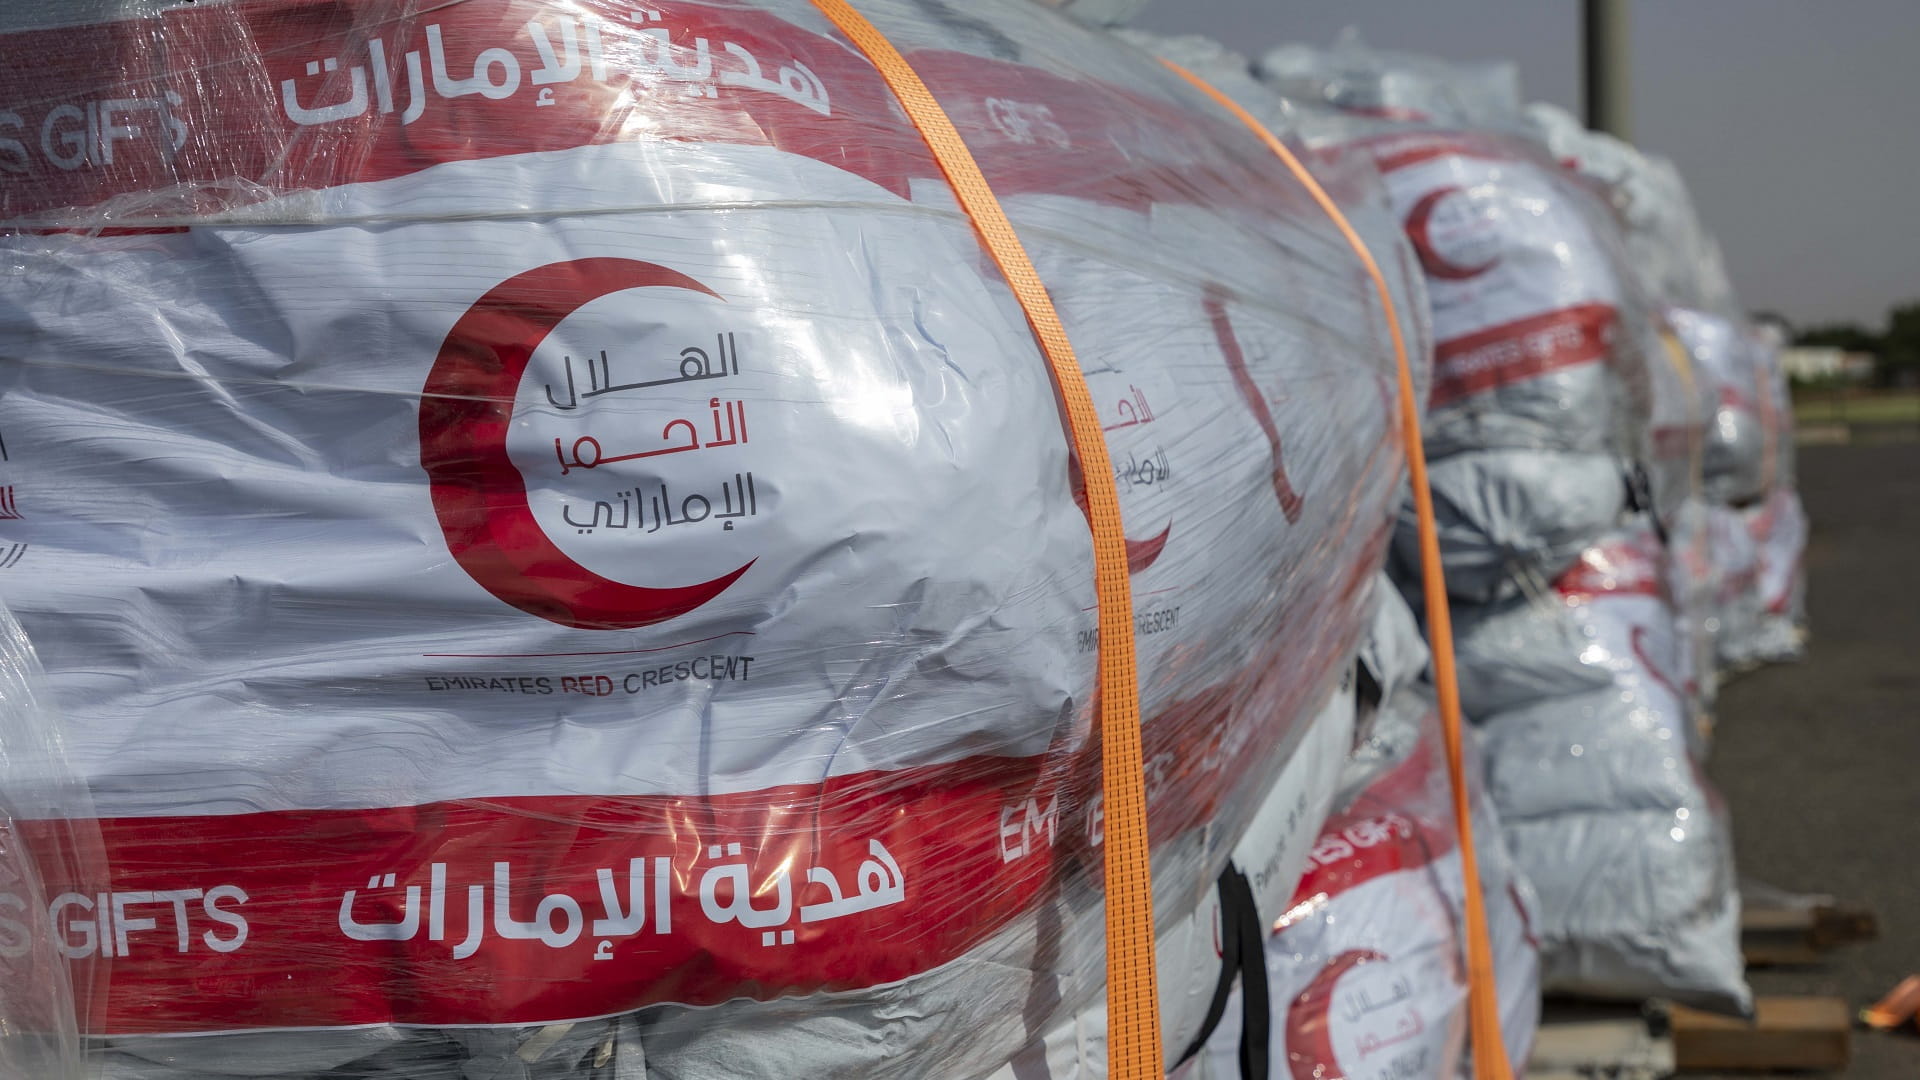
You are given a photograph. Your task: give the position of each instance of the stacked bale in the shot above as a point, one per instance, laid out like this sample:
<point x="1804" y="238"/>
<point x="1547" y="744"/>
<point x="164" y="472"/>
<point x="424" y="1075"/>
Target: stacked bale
<point x="373" y="370"/>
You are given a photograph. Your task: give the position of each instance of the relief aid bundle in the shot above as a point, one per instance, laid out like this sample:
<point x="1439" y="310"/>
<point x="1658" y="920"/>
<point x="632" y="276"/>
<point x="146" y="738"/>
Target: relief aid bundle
<point x="1566" y="434"/>
<point x="1364" y="967"/>
<point x="554" y="550"/>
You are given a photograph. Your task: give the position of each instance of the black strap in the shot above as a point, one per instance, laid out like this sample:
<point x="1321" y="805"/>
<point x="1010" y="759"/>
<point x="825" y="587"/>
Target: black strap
<point x="1256" y="1014"/>
<point x="1230" y="954"/>
<point x="1640" y="498"/>
<point x="1243" y="943"/>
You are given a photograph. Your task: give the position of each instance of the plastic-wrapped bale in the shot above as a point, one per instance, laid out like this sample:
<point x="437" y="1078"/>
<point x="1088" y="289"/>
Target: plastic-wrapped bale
<point x="1365" y="969"/>
<point x="540" y="512"/>
<point x="1677" y="500"/>
<point x="1676" y="259"/>
<point x="1735" y="455"/>
<point x="1539" y="371"/>
<point x="1200" y="957"/>
<point x="1736" y="581"/>
<point x="1582" y="696"/>
<point x="1778" y="528"/>
<point x="44" y="999"/>
<point x="1778" y="525"/>
<point x="1196" y="964"/>
<point x="1678" y="267"/>
<point x="1510" y="520"/>
<point x="1366" y="202"/>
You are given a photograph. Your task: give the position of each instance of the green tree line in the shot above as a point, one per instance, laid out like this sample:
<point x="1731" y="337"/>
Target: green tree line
<point x="1896" y="349"/>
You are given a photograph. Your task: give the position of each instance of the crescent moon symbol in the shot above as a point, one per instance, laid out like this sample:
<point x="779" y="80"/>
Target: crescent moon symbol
<point x="1310" y="1053"/>
<point x="466" y="411"/>
<point x="1417" y="224"/>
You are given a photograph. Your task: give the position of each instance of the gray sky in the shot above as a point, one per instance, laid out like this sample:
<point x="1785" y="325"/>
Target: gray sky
<point x="1796" y="122"/>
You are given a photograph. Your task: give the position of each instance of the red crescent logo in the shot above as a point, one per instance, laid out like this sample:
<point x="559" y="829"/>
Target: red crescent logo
<point x="479" y="495"/>
<point x="1310" y="1053"/>
<point x="1436" y="266"/>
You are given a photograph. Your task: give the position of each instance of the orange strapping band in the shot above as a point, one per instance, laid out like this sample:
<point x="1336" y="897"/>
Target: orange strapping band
<point x="1133" y="1008"/>
<point x="1483" y="1004"/>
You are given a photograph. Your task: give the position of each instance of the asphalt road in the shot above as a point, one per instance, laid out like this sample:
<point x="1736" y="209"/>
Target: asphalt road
<point x="1820" y="761"/>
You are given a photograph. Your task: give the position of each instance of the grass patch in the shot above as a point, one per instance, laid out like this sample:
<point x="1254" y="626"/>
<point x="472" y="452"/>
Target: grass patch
<point x="1856" y="407"/>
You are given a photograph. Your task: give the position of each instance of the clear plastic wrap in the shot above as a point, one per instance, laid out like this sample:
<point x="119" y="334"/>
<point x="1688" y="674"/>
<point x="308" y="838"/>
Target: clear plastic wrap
<point x="1195" y="971"/>
<point x="1735" y="459"/>
<point x="1541" y="386"/>
<point x="1584" y="698"/>
<point x="347" y="349"/>
<point x="1678" y="503"/>
<point x="1675" y="258"/>
<point x="1565" y="441"/>
<point x="48" y="835"/>
<point x="1778" y="527"/>
<point x="1353" y="78"/>
<point x="1778" y="524"/>
<point x="1757" y="526"/>
<point x="1364" y="967"/>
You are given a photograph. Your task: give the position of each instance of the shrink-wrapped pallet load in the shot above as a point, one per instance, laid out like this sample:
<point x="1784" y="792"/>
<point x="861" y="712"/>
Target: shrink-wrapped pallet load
<point x="555" y="553"/>
<point x="1365" y="967"/>
<point x="1584" y="698"/>
<point x="1746" y="455"/>
<point x="1540" y="375"/>
<point x="1562" y="427"/>
<point x="1778" y="525"/>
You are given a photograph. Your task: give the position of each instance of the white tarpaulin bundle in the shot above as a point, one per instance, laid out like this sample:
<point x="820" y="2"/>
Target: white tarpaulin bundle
<point x="1725" y="360"/>
<point x="1745" y="456"/>
<point x="1584" y="700"/>
<point x="1365" y="966"/>
<point x="1540" y="382"/>
<point x="1197" y="961"/>
<point x="1756" y="525"/>
<point x="1677" y="261"/>
<point x="1778" y="524"/>
<point x="1559" y="414"/>
<point x="1249" y="978"/>
<point x="555" y="554"/>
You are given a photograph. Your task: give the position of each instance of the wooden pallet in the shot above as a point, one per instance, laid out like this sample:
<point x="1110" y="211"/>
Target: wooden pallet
<point x="1580" y="1041"/>
<point x="1781" y="929"/>
<point x="1800" y="1033"/>
<point x="1599" y="1042"/>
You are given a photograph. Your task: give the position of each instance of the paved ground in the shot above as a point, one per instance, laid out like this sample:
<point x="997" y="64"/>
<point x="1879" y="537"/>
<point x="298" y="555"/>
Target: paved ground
<point x="1821" y="761"/>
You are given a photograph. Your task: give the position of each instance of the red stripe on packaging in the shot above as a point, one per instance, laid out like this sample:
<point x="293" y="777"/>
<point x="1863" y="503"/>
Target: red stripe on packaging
<point x="1523" y="349"/>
